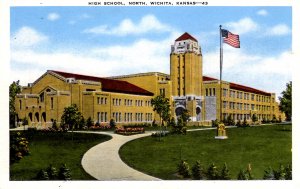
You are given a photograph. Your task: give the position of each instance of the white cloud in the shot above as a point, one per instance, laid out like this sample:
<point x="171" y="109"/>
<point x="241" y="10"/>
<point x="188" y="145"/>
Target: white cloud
<point x="262" y="12"/>
<point x="141" y="56"/>
<point x="265" y="73"/>
<point x="148" y="23"/>
<point x="53" y="16"/>
<point x="242" y="26"/>
<point x="278" y="30"/>
<point x="27" y="37"/>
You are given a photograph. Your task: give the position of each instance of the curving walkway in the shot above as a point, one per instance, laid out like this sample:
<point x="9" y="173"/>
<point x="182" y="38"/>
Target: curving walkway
<point x="104" y="163"/>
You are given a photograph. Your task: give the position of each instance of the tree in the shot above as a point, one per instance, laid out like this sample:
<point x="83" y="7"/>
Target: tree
<point x="212" y="172"/>
<point x="184" y="169"/>
<point x="198" y="171"/>
<point x="161" y="105"/>
<point x="286" y="101"/>
<point x="14" y="89"/>
<point x="64" y="173"/>
<point x="254" y="118"/>
<point x="224" y="175"/>
<point x="71" y="117"/>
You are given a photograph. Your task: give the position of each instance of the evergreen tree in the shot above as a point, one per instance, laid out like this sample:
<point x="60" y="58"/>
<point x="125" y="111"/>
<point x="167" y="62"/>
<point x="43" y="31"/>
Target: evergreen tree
<point x="198" y="171"/>
<point x="184" y="169"/>
<point x="42" y="175"/>
<point x="212" y="172"/>
<point x="242" y="175"/>
<point x="52" y="172"/>
<point x="280" y="174"/>
<point x="288" y="171"/>
<point x="64" y="173"/>
<point x="269" y="174"/>
<point x="224" y="175"/>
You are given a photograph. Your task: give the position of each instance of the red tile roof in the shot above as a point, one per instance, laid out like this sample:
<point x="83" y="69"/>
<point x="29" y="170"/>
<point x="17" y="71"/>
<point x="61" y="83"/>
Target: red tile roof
<point x="109" y="85"/>
<point x="240" y="87"/>
<point x="186" y="36"/>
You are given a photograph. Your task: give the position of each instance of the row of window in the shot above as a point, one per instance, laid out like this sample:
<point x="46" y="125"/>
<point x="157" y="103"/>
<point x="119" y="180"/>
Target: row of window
<point x="246" y="116"/>
<point x="128" y="102"/>
<point x="210" y="92"/>
<point x="246" y="96"/>
<point x="128" y="117"/>
<point x="244" y="106"/>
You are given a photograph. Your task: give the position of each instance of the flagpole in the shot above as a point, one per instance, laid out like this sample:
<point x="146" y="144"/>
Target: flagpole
<point x="221" y="65"/>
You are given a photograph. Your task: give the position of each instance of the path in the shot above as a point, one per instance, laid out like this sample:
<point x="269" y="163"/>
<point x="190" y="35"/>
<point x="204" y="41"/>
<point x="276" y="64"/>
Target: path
<point x="104" y="163"/>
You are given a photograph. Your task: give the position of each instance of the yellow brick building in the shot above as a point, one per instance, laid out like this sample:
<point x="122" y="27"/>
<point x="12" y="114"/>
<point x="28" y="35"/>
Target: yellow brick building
<point x="126" y="98"/>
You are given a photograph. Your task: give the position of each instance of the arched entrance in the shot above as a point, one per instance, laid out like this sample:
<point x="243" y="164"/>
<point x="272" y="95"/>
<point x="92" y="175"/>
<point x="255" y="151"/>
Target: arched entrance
<point x="198" y="114"/>
<point x="179" y="111"/>
<point x="44" y="117"/>
<point x="37" y="117"/>
<point x="30" y="116"/>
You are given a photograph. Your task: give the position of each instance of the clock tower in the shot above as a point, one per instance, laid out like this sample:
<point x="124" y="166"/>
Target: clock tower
<point x="186" y="76"/>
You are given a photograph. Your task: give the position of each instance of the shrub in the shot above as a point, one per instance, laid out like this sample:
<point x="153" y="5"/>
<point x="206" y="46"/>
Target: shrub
<point x="112" y="123"/>
<point x="97" y="124"/>
<point x="215" y="123"/>
<point x="212" y="172"/>
<point x="184" y="169"/>
<point x="198" y="171"/>
<point x="238" y="123"/>
<point x="82" y="123"/>
<point x="224" y="175"/>
<point x="245" y="124"/>
<point x="54" y="125"/>
<point x="288" y="171"/>
<point x="269" y="174"/>
<point x="52" y="172"/>
<point x="245" y="175"/>
<point x="64" y="173"/>
<point x="42" y="175"/>
<point x="18" y="147"/>
<point x="89" y="122"/>
<point x="280" y="174"/>
<point x="242" y="175"/>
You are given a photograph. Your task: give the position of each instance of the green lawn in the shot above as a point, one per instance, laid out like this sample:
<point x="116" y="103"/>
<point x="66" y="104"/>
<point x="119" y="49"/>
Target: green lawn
<point x="56" y="149"/>
<point x="261" y="146"/>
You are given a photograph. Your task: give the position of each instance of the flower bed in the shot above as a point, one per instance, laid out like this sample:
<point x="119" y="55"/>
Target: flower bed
<point x="101" y="126"/>
<point x="129" y="130"/>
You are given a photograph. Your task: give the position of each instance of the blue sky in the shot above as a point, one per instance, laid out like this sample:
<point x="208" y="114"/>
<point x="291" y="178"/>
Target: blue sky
<point x="106" y="41"/>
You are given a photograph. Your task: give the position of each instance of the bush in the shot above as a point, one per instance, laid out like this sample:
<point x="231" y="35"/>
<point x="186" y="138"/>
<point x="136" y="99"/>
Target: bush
<point x="245" y="124"/>
<point x="283" y="173"/>
<point x="215" y="123"/>
<point x="224" y="175"/>
<point x="52" y="172"/>
<point x="89" y="122"/>
<point x="245" y="175"/>
<point x="18" y="147"/>
<point x="238" y="123"/>
<point x="64" y="173"/>
<point x="112" y="123"/>
<point x="198" y="171"/>
<point x="212" y="172"/>
<point x="82" y="123"/>
<point x="160" y="134"/>
<point x="269" y="174"/>
<point x="42" y="175"/>
<point x="54" y="125"/>
<point x="184" y="169"/>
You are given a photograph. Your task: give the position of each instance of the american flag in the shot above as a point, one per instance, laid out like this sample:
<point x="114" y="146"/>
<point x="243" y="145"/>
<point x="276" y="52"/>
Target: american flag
<point x="231" y="39"/>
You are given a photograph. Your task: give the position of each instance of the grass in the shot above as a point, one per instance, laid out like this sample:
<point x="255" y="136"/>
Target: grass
<point x="56" y="149"/>
<point x="261" y="146"/>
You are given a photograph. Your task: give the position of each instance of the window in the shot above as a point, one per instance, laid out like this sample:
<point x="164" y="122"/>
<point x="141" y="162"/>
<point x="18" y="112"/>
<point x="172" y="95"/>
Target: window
<point x="214" y="92"/>
<point x="206" y="92"/>
<point x="51" y="103"/>
<point x="210" y="92"/>
<point x="42" y="97"/>
<point x="20" y="104"/>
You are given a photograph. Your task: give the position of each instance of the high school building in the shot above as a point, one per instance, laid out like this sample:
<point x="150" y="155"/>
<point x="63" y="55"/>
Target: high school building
<point x="126" y="98"/>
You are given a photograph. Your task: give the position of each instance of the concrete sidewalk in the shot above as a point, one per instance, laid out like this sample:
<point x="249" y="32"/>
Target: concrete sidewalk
<point x="104" y="163"/>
